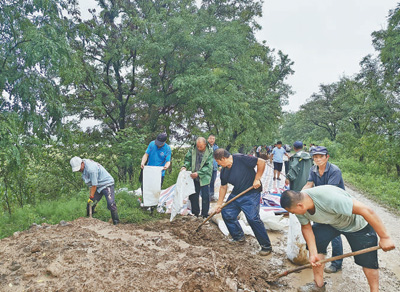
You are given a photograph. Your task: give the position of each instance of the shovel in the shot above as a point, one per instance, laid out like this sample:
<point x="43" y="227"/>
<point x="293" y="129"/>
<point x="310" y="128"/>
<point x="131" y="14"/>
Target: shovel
<point x="91" y="203"/>
<point x="224" y="205"/>
<point x="369" y="249"/>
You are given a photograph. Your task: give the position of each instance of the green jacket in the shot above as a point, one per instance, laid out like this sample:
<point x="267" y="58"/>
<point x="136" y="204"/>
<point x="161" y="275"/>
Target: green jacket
<point x="206" y="166"/>
<point x="299" y="170"/>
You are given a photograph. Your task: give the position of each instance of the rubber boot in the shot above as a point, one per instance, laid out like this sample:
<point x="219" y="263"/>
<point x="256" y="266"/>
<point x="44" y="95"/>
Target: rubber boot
<point x="114" y="216"/>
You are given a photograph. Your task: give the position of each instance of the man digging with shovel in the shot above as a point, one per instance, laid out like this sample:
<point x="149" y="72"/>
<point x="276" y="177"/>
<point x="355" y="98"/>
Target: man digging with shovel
<point x="101" y="183"/>
<point x="338" y="214"/>
<point x="238" y="170"/>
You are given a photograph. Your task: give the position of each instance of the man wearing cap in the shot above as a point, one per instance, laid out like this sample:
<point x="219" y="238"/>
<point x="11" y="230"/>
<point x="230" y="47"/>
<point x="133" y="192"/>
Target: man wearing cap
<point x="299" y="167"/>
<point x="199" y="160"/>
<point x="100" y="182"/>
<point x="326" y="173"/>
<point x="158" y="153"/>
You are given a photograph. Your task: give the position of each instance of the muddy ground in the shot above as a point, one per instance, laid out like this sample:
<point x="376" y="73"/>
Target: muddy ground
<point x="91" y="255"/>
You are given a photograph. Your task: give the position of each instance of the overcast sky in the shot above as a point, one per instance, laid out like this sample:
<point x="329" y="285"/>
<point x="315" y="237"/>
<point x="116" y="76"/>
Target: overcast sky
<point x="326" y="39"/>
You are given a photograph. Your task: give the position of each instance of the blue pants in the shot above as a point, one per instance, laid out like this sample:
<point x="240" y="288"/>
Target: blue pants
<point x="337" y="249"/>
<point x="108" y="193"/>
<point x="212" y="183"/>
<point x="250" y="205"/>
<point x="205" y="199"/>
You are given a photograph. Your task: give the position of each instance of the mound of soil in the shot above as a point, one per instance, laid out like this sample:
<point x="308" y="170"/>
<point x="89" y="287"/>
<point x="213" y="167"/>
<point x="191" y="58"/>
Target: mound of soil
<point x="91" y="255"/>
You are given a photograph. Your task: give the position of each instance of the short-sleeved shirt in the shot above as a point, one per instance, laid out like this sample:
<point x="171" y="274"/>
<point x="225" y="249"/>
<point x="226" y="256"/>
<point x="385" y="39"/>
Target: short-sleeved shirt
<point x="158" y="156"/>
<point x="94" y="174"/>
<point x="215" y="164"/>
<point x="241" y="175"/>
<point x="278" y="154"/>
<point x="333" y="206"/>
<point x="332" y="176"/>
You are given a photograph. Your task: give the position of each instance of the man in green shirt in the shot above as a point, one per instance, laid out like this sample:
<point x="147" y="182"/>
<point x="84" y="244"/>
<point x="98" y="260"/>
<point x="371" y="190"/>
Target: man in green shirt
<point x="338" y="214"/>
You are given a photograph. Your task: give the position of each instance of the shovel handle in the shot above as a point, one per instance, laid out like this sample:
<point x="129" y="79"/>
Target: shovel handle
<point x="339" y="257"/>
<point x="224" y="205"/>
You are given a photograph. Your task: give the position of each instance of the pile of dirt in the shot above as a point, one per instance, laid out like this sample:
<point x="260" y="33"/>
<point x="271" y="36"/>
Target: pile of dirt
<point x="91" y="255"/>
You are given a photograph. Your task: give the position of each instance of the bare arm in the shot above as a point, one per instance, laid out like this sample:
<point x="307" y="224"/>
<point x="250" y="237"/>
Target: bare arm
<point x="144" y="159"/>
<point x="373" y="219"/>
<point x="260" y="171"/>
<point x="309" y="236"/>
<point x="92" y="191"/>
<point x="167" y="164"/>
<point x="222" y="193"/>
<point x="308" y="185"/>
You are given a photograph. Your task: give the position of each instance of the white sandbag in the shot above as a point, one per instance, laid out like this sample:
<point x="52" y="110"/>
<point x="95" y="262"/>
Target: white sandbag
<point x="151" y="185"/>
<point x="296" y="246"/>
<point x="222" y="226"/>
<point x="272" y="221"/>
<point x="183" y="189"/>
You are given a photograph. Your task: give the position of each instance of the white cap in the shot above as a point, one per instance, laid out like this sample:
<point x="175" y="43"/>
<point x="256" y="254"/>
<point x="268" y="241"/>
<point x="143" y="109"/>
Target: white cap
<point x="76" y="163"/>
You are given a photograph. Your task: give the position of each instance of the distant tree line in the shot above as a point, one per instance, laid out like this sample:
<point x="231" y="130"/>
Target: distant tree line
<point x="361" y="112"/>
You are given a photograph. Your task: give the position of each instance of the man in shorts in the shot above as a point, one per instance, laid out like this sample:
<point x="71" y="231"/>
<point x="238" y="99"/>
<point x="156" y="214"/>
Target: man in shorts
<point x="338" y="213"/>
<point x="277" y="158"/>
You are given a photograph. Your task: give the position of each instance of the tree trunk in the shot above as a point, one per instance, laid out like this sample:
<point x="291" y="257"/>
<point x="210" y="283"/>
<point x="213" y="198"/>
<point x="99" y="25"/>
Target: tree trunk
<point x="398" y="169"/>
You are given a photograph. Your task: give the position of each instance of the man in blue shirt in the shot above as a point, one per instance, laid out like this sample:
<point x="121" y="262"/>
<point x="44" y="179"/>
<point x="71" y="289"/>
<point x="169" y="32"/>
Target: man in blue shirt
<point x="326" y="173"/>
<point x="100" y="182"/>
<point x="238" y="170"/>
<point x="158" y="153"/>
<point x="277" y="158"/>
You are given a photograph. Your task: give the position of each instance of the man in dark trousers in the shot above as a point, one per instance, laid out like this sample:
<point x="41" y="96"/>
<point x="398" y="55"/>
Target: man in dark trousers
<point x="238" y="170"/>
<point x="337" y="213"/>
<point x="326" y="173"/>
<point x="100" y="182"/>
<point x="199" y="160"/>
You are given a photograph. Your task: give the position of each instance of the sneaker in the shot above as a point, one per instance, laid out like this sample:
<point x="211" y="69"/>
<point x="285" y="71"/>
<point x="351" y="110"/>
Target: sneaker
<point x="274" y="178"/>
<point x="312" y="287"/>
<point x="241" y="240"/>
<point x="332" y="269"/>
<point x="265" y="251"/>
<point x="278" y="178"/>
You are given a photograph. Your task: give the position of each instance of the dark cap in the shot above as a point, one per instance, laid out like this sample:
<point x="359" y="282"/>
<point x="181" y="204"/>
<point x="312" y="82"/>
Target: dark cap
<point x="319" y="150"/>
<point x="298" y="144"/>
<point x="161" y="138"/>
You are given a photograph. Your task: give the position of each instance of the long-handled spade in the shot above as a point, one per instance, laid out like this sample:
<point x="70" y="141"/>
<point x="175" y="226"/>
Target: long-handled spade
<point x="350" y="254"/>
<point x="91" y="203"/>
<point x="223" y="205"/>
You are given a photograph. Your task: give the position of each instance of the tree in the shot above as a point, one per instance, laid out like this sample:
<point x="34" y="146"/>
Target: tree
<point x="323" y="110"/>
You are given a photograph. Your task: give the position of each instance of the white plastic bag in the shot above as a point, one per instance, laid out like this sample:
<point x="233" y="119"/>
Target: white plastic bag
<point x="272" y="221"/>
<point x="184" y="188"/>
<point x="151" y="185"/>
<point x="296" y="247"/>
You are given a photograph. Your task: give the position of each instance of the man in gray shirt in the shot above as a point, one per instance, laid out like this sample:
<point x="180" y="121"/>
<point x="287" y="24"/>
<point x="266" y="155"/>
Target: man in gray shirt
<point x="338" y="213"/>
<point x="100" y="182"/>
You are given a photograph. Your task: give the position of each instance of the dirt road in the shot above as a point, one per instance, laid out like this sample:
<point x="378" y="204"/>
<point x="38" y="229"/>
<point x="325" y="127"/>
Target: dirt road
<point x="91" y="255"/>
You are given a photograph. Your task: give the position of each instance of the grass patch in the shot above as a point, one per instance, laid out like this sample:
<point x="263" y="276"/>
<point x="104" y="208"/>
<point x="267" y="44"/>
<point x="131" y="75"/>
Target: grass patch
<point x="52" y="212"/>
<point x="372" y="180"/>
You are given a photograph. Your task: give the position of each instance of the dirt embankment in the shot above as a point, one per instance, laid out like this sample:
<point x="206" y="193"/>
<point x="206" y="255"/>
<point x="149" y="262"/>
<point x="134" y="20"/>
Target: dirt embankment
<point x="91" y="255"/>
